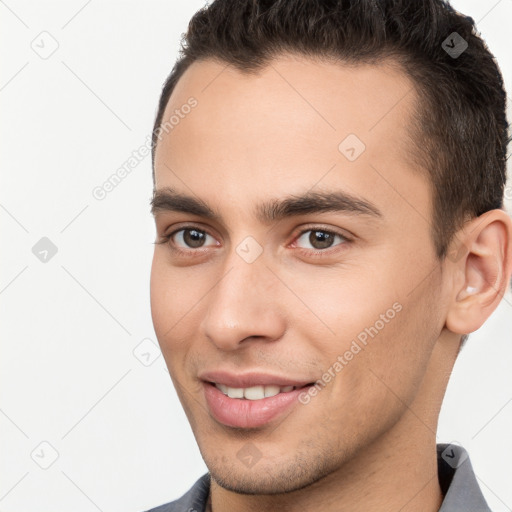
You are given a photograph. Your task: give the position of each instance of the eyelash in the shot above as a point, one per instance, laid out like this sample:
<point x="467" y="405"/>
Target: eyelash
<point x="319" y="253"/>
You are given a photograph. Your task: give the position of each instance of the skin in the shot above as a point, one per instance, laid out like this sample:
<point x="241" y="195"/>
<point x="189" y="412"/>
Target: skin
<point x="367" y="440"/>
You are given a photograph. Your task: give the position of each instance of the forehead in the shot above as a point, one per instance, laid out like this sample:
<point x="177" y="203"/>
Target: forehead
<point x="293" y="125"/>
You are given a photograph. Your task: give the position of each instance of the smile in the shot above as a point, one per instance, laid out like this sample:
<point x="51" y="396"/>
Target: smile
<point x="250" y="407"/>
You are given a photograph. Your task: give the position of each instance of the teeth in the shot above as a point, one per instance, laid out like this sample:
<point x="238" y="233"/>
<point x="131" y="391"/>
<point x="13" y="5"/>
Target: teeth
<point x="272" y="390"/>
<point x="235" y="392"/>
<point x="223" y="388"/>
<point x="254" y="392"/>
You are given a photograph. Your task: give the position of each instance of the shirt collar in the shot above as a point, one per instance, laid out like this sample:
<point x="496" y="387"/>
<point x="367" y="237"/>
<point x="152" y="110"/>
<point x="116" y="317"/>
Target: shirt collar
<point x="458" y="481"/>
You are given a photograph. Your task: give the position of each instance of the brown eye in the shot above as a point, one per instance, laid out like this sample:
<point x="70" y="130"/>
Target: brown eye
<point x="320" y="238"/>
<point x="192" y="238"/>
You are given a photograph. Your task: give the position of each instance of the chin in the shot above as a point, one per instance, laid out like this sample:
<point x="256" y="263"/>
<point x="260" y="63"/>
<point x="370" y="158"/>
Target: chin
<point x="268" y="479"/>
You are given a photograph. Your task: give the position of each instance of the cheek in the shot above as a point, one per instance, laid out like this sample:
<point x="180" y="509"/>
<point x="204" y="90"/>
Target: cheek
<point x="160" y="298"/>
<point x="343" y="304"/>
<point x="168" y="299"/>
<point x="372" y="332"/>
<point x="388" y="372"/>
<point x="177" y="297"/>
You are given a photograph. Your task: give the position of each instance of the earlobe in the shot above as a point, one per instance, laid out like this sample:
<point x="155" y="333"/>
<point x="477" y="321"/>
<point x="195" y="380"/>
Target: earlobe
<point x="481" y="277"/>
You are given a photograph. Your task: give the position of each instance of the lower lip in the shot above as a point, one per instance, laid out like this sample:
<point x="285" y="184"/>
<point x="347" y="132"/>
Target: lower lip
<point x="243" y="413"/>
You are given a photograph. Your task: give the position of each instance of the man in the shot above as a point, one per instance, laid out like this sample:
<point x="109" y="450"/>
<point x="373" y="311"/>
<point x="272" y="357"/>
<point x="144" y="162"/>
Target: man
<point x="330" y="227"/>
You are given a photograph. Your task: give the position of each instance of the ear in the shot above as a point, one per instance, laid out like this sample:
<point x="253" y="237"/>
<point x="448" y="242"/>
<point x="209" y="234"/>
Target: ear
<point x="480" y="259"/>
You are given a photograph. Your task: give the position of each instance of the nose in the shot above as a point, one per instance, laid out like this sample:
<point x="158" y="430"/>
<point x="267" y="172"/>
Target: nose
<point x="243" y="305"/>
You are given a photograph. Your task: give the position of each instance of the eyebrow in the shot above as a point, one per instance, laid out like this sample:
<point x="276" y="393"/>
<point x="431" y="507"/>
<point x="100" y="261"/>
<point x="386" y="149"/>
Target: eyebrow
<point x="169" y="199"/>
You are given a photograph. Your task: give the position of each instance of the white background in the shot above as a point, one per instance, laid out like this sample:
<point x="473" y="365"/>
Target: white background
<point x="69" y="326"/>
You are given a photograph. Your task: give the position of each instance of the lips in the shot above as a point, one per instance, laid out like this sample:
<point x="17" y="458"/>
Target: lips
<point x="249" y="400"/>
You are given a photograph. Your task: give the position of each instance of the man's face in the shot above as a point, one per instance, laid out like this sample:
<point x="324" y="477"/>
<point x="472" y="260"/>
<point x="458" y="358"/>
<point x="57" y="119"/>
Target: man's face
<point x="282" y="300"/>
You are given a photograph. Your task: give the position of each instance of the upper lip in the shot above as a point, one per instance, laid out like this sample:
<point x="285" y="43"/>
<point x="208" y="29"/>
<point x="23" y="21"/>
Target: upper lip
<point x="249" y="379"/>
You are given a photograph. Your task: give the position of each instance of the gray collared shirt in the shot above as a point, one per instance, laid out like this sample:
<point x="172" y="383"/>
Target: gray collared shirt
<point x="456" y="478"/>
